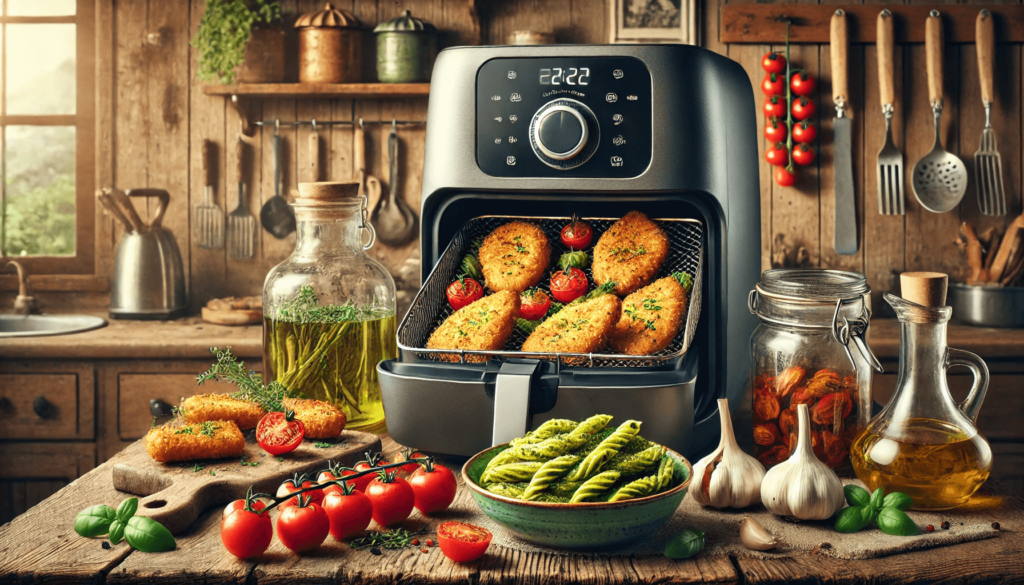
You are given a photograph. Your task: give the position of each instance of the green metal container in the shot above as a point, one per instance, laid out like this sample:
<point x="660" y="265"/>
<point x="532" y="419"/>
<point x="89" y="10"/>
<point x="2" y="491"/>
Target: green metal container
<point x="406" y="49"/>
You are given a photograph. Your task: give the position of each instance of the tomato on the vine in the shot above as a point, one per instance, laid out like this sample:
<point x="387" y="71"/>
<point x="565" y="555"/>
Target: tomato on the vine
<point x="433" y="487"/>
<point x="257" y="505"/>
<point x="802" y="154"/>
<point x="774" y="62"/>
<point x="464" y="291"/>
<point x="392" y="498"/>
<point x="777" y="154"/>
<point x="372" y="460"/>
<point x="279" y="433"/>
<point x="803" y="109"/>
<point x="577" y="235"/>
<point x="349" y="512"/>
<point x="534" y="304"/>
<point x="569" y="285"/>
<point x="775" y="130"/>
<point x="801" y="83"/>
<point x="462" y="542"/>
<point x="804" y="133"/>
<point x="773" y="84"/>
<point x="296" y="483"/>
<point x="784" y="177"/>
<point x="412" y="466"/>
<point x="775" y="107"/>
<point x="335" y="472"/>
<point x="304" y="526"/>
<point x="246" y="534"/>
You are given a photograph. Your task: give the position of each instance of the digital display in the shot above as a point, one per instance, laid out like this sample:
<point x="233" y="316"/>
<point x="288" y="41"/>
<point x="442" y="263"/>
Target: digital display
<point x="569" y="76"/>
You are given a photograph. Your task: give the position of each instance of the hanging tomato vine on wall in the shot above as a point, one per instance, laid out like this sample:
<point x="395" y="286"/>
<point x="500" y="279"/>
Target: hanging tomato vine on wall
<point x="788" y="126"/>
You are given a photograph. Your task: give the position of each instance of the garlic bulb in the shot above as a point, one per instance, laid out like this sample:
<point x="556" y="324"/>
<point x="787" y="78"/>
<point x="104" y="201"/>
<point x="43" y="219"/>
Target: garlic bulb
<point x="802" y="486"/>
<point x="754" y="537"/>
<point x="728" y="477"/>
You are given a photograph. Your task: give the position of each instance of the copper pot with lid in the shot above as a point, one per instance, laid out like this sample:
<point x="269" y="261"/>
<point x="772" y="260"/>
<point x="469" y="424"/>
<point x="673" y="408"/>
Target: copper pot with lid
<point x="330" y="46"/>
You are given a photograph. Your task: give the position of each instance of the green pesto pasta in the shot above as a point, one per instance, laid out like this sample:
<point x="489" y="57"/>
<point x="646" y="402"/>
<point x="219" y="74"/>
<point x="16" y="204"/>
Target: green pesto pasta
<point x="545" y="497"/>
<point x="592" y="425"/>
<point x="665" y="472"/>
<point x="547" y="430"/>
<point x="509" y="490"/>
<point x="595" y="486"/>
<point x="636" y="463"/>
<point x="549" y="448"/>
<point x="511" y="472"/>
<point x="502" y="458"/>
<point x="607" y="449"/>
<point x="637" y="489"/>
<point x="547" y="474"/>
<point x="564" y="488"/>
<point x="636" y="445"/>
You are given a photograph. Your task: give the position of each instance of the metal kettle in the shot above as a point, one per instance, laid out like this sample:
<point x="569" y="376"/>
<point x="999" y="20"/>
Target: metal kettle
<point x="149" y="281"/>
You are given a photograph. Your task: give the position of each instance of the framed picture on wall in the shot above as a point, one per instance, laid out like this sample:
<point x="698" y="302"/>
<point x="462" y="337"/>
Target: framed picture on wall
<point x="652" y="21"/>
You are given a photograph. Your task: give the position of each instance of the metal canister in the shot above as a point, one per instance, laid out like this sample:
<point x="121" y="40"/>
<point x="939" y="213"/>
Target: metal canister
<point x="406" y="49"/>
<point x="330" y="46"/>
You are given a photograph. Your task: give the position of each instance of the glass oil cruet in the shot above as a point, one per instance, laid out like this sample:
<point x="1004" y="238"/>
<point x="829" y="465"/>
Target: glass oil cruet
<point x="923" y="443"/>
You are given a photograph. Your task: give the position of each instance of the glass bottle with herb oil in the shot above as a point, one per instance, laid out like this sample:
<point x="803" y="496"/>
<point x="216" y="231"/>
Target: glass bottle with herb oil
<point x="923" y="443"/>
<point x="329" y="309"/>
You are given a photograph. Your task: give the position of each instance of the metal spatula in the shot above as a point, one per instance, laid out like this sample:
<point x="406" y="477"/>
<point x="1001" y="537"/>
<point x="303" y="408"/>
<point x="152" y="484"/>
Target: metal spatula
<point x="209" y="218"/>
<point x="988" y="167"/>
<point x="241" y="223"/>
<point x="890" y="159"/>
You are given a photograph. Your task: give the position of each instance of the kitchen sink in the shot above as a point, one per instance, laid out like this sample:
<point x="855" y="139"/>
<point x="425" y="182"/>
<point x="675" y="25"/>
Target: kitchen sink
<point x="37" y="325"/>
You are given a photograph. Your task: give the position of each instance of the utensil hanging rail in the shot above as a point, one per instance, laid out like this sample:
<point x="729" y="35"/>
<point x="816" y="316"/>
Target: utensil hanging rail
<point x="314" y="122"/>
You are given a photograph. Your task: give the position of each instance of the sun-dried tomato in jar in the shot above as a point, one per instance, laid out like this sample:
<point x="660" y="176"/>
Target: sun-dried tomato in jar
<point x="809" y="349"/>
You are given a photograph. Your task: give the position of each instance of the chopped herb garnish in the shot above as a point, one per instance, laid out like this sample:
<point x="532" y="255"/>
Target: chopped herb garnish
<point x="322" y="445"/>
<point x="245" y="463"/>
<point x="197" y="468"/>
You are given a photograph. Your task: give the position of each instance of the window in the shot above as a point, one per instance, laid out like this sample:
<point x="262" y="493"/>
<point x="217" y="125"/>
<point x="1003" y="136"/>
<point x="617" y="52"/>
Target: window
<point x="47" y="135"/>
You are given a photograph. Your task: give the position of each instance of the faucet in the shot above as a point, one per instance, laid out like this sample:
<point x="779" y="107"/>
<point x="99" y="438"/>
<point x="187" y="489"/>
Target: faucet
<point x="23" y="303"/>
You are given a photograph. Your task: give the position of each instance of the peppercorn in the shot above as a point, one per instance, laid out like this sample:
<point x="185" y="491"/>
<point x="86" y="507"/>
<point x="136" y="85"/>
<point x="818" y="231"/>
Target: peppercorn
<point x="995" y="526"/>
<point x="430" y="542"/>
<point x="945" y="524"/>
<point x="424" y="550"/>
<point x="375" y="551"/>
<point x="105" y="545"/>
<point x="930" y="528"/>
<point x="415" y="542"/>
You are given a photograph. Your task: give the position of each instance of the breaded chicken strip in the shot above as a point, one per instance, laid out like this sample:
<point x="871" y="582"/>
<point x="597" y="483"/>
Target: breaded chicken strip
<point x="578" y="328"/>
<point x="204" y="407"/>
<point x="630" y="253"/>
<point x="484" y="324"/>
<point x="187" y="442"/>
<point x="651" y="318"/>
<point x="514" y="256"/>
<point x="322" y="419"/>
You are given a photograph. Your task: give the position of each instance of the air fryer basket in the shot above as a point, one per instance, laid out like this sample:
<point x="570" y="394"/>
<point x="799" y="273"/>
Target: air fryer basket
<point x="430" y="308"/>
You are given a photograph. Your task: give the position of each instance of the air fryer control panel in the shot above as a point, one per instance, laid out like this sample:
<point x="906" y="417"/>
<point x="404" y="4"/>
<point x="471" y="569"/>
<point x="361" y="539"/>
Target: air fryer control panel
<point x="564" y="117"/>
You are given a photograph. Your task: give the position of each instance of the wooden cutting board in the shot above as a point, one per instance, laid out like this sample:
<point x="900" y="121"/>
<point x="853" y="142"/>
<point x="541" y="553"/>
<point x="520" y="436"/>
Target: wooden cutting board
<point x="177" y="493"/>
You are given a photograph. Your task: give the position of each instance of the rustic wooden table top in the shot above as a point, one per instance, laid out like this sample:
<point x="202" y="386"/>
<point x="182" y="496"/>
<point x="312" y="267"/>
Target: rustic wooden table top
<point x="41" y="546"/>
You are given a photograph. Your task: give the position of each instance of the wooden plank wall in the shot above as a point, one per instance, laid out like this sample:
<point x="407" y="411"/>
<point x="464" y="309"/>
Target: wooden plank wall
<point x="921" y="240"/>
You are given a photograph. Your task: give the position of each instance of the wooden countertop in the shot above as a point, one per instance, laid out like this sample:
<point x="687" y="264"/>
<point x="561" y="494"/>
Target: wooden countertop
<point x="41" y="546"/>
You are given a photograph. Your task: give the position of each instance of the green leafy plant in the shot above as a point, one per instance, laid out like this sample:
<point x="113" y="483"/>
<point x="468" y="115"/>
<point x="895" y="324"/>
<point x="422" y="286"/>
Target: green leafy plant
<point x="887" y="511"/>
<point x="225" y="30"/>
<point x="143" y="534"/>
<point x="686" y="544"/>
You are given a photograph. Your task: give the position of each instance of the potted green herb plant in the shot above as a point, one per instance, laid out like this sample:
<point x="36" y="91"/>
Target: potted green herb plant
<point x="241" y="41"/>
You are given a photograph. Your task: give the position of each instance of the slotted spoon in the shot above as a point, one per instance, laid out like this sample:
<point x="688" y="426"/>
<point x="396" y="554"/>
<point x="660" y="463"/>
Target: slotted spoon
<point x="988" y="166"/>
<point x="940" y="178"/>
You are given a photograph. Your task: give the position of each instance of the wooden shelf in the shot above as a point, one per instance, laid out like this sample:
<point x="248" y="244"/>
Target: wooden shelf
<point x="321" y="90"/>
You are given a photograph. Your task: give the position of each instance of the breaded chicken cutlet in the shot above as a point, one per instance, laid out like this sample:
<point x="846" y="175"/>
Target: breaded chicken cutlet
<point x="203" y="407"/>
<point x="186" y="442"/>
<point x="482" y="325"/>
<point x="578" y="328"/>
<point x="514" y="256"/>
<point x="651" y="318"/>
<point x="322" y="419"/>
<point x="630" y="253"/>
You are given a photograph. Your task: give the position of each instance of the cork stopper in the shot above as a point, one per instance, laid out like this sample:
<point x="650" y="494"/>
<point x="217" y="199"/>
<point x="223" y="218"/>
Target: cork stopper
<point x="327" y="193"/>
<point x="924" y="288"/>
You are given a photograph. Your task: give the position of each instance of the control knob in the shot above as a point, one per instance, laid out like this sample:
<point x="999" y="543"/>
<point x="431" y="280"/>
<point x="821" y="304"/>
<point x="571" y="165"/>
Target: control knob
<point x="564" y="133"/>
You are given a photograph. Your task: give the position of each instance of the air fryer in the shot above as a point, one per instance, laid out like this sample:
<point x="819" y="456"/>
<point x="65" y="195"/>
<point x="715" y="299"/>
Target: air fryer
<point x="546" y="132"/>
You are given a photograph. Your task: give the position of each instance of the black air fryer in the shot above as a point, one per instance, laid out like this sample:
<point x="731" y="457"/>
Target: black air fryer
<point x="545" y="132"/>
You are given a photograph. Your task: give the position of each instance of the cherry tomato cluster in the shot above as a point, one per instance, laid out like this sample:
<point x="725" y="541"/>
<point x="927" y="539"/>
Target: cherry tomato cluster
<point x="343" y="508"/>
<point x="788" y="111"/>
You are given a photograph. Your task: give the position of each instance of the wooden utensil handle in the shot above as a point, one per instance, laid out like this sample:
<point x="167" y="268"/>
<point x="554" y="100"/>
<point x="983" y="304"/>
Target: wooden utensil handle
<point x="207" y="179"/>
<point x="933" y="56"/>
<point x="314" y="157"/>
<point x="838" y="46"/>
<point x="239" y="154"/>
<point x="162" y="199"/>
<point x="359" y="146"/>
<point x="886" y="71"/>
<point x="985" y="39"/>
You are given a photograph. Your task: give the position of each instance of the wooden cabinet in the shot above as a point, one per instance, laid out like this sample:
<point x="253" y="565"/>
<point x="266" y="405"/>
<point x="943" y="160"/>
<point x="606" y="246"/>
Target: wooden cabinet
<point x="32" y="472"/>
<point x="142" y="395"/>
<point x="47" y="401"/>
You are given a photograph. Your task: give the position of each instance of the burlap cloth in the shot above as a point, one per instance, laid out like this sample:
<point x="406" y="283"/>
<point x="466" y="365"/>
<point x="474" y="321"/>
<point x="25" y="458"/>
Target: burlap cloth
<point x="722" y="530"/>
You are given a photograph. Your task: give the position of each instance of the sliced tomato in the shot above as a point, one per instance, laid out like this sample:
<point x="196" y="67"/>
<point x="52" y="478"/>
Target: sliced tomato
<point x="577" y="235"/>
<point x="534" y="304"/>
<point x="464" y="291"/>
<point x="569" y="285"/>
<point x="277" y="434"/>
<point x="462" y="542"/>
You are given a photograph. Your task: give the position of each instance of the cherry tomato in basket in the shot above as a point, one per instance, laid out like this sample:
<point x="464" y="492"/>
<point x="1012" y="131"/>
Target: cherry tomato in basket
<point x="534" y="304"/>
<point x="433" y="487"/>
<point x="775" y="130"/>
<point x="463" y="292"/>
<point x="392" y="498"/>
<point x="803" y="154"/>
<point x="257" y="505"/>
<point x="773" y="84"/>
<point x="372" y="460"/>
<point x="775" y="107"/>
<point x="804" y="132"/>
<point x="774" y="62"/>
<point x="802" y="83"/>
<point x="295" y="484"/>
<point x="577" y="235"/>
<point x="803" y="108"/>
<point x="348" y="513"/>
<point x="777" y="155"/>
<point x="304" y="526"/>
<point x="784" y="177"/>
<point x="246" y="534"/>
<point x="569" y="285"/>
<point x="277" y="433"/>
<point x="462" y="542"/>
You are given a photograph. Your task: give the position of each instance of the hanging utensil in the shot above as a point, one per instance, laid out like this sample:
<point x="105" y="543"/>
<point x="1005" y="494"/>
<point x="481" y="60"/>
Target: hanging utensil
<point x="890" y="159"/>
<point x="988" y="166"/>
<point x="359" y="145"/>
<point x="277" y="216"/>
<point x="108" y="202"/>
<point x="940" y="178"/>
<point x="394" y="221"/>
<point x="842" y="156"/>
<point x="209" y="218"/>
<point x="127" y="209"/>
<point x="241" y="223"/>
<point x="314" y="155"/>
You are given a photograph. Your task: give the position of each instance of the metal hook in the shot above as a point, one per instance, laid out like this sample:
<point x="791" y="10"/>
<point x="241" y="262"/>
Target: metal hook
<point x="277" y="126"/>
<point x="313" y="121"/>
<point x="394" y="126"/>
<point x="360" y="123"/>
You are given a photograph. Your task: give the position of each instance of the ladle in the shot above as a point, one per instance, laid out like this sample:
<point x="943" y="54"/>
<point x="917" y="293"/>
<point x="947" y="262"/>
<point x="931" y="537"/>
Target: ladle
<point x="393" y="219"/>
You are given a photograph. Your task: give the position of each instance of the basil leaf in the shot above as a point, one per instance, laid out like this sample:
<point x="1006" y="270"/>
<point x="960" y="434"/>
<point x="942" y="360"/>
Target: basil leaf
<point x="896" y="522"/>
<point x="686" y="544"/>
<point x="854" y="518"/>
<point x="148" y="535"/>
<point x="877" y="498"/>
<point x="127" y="509"/>
<point x="116" y="531"/>
<point x="94" y="521"/>
<point x="898" y="500"/>
<point x="856" y="495"/>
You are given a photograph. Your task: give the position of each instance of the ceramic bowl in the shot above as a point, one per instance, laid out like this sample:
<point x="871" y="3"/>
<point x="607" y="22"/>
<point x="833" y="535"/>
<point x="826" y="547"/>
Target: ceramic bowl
<point x="582" y="526"/>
